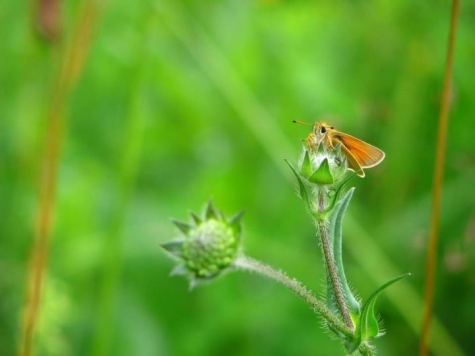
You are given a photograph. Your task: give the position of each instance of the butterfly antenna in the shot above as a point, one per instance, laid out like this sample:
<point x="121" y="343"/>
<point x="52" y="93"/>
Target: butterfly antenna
<point x="301" y="122"/>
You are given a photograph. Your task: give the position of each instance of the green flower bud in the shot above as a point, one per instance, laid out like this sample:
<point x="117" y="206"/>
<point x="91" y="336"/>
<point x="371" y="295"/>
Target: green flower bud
<point x="322" y="165"/>
<point x="210" y="245"/>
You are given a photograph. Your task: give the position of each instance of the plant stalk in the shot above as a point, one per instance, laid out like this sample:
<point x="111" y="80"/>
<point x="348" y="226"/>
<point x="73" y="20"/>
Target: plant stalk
<point x="71" y="64"/>
<point x="437" y="185"/>
<point x="366" y="350"/>
<point x="330" y="263"/>
<point x="249" y="264"/>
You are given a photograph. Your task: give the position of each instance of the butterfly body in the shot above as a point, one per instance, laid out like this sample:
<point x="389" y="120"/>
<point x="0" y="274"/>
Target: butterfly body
<point x="359" y="154"/>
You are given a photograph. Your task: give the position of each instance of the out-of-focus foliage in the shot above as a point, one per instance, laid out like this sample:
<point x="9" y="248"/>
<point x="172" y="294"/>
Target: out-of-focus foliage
<point x="182" y="100"/>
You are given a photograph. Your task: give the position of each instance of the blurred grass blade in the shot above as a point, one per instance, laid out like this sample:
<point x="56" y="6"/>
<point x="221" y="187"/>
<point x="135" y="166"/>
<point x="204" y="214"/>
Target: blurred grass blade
<point x="71" y="63"/>
<point x="437" y="184"/>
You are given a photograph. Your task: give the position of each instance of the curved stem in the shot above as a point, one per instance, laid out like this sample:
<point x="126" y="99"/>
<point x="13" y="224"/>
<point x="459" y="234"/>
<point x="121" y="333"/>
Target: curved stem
<point x="330" y="264"/>
<point x="249" y="264"/>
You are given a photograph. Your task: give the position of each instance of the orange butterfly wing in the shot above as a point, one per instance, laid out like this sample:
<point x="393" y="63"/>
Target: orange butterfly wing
<point x="359" y="153"/>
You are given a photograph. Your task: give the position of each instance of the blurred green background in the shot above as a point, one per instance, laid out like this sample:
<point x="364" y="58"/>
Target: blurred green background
<point x="179" y="101"/>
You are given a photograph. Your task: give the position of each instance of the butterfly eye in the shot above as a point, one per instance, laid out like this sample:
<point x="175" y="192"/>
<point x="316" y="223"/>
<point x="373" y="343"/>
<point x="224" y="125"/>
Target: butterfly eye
<point x="323" y="129"/>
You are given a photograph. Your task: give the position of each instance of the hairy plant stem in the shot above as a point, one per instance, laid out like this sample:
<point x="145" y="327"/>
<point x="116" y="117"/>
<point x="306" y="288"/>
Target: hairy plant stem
<point x="366" y="350"/>
<point x="330" y="262"/>
<point x="249" y="264"/>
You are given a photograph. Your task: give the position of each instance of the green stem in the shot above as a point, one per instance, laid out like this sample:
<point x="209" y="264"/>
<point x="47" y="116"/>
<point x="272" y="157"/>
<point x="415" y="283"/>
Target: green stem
<point x="330" y="263"/>
<point x="249" y="264"/>
<point x="366" y="350"/>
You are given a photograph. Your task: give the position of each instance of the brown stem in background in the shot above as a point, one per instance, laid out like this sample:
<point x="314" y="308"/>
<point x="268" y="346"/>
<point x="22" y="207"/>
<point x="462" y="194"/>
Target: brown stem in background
<point x="437" y="185"/>
<point x="48" y="19"/>
<point x="71" y="64"/>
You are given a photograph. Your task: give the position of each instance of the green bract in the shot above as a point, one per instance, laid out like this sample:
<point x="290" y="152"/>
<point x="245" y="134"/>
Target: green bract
<point x="210" y="246"/>
<point x="365" y="322"/>
<point x="322" y="165"/>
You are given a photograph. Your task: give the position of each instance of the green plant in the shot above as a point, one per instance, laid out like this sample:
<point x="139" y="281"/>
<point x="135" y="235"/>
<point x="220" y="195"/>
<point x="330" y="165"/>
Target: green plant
<point x="211" y="246"/>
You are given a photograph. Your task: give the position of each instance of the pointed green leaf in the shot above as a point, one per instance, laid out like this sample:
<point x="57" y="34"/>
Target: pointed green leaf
<point x="179" y="270"/>
<point x="302" y="190"/>
<point x="184" y="227"/>
<point x="306" y="169"/>
<point x="322" y="175"/>
<point x="210" y="212"/>
<point x="197" y="220"/>
<point x="334" y="198"/>
<point x="368" y="326"/>
<point x="235" y="223"/>
<point x="173" y="247"/>
<point x="336" y="235"/>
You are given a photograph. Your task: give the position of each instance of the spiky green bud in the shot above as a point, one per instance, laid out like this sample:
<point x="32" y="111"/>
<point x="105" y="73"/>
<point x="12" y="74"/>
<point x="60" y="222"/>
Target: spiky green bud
<point x="210" y="246"/>
<point x="322" y="165"/>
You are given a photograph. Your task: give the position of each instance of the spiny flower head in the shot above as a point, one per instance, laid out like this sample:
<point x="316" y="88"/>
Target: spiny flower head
<point x="209" y="247"/>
